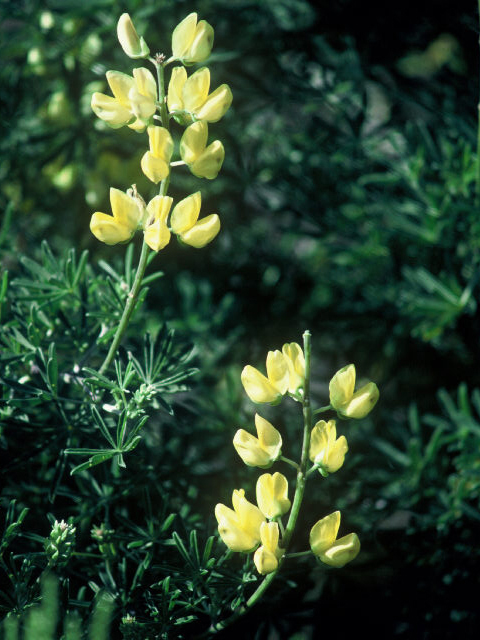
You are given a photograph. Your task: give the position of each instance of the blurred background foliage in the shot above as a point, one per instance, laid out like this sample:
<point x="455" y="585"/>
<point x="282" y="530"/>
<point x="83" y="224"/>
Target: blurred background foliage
<point x="348" y="207"/>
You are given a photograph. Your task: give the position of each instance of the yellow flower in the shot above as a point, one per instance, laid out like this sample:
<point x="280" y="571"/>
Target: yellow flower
<point x="272" y="497"/>
<point x="262" y="451"/>
<point x="184" y="222"/>
<point x="203" y="161"/>
<point x="239" y="528"/>
<point x="271" y="388"/>
<point x="156" y="232"/>
<point x="192" y="42"/>
<point x="325" y="449"/>
<point x="156" y="162"/>
<point x="347" y="402"/>
<point x="126" y="219"/>
<point x="296" y="366"/>
<point x="191" y="96"/>
<point x="133" y="103"/>
<point x="132" y="44"/>
<point x="267" y="556"/>
<point x="325" y="546"/>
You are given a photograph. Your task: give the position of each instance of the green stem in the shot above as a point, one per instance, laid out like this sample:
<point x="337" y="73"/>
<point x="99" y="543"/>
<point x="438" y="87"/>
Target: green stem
<point x="323" y="409"/>
<point x="129" y="307"/>
<point x="133" y="295"/>
<point x="297" y="499"/>
<point x="288" y="461"/>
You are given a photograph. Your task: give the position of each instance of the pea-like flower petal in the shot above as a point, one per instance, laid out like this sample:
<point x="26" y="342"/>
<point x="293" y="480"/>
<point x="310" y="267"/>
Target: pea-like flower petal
<point x="262" y="451"/>
<point x="133" y="45"/>
<point x="272" y="494"/>
<point x="325" y="449"/>
<point x="345" y="401"/>
<point x="240" y="528"/>
<point x="296" y="366"/>
<point x="335" y="553"/>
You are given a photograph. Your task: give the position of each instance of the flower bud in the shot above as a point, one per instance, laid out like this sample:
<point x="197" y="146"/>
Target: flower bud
<point x="133" y="45"/>
<point x="296" y="366"/>
<point x="192" y="42"/>
<point x="59" y="545"/>
<point x="267" y="556"/>
<point x="156" y="233"/>
<point x="156" y="162"/>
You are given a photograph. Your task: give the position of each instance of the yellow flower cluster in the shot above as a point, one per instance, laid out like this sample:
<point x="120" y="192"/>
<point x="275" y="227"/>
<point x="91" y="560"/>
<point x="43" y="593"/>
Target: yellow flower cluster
<point x="244" y="527"/>
<point x="252" y="528"/>
<point x="135" y="102"/>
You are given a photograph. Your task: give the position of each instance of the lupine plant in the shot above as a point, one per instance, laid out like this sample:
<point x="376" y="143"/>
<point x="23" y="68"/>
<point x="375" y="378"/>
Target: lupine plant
<point x="260" y="529"/>
<point x="62" y="317"/>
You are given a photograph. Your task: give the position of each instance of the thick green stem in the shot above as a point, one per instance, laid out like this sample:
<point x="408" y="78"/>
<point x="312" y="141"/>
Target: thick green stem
<point x="129" y="307"/>
<point x="297" y="499"/>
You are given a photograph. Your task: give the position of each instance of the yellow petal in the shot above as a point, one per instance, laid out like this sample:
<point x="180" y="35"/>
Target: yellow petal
<point x="269" y="535"/>
<point x="110" y="110"/>
<point x="193" y="142"/>
<point x="272" y="494"/>
<point x="145" y="82"/>
<point x="296" y="366"/>
<point x="277" y="371"/>
<point x="142" y="106"/>
<point x="158" y="209"/>
<point x="336" y="455"/>
<point x="131" y="43"/>
<point x="126" y="210"/>
<point x="342" y="551"/>
<point x="324" y="533"/>
<point x="156" y="169"/>
<point x="203" y="232"/>
<point x="161" y="143"/>
<point x="250" y="451"/>
<point x="231" y="532"/>
<point x="341" y="386"/>
<point x="175" y="87"/>
<point x="250" y="517"/>
<point x="210" y="161"/>
<point x="183" y="35"/>
<point x="202" y="44"/>
<point x="106" y="229"/>
<point x="362" y="402"/>
<point x="195" y="89"/>
<point x="216" y="105"/>
<point x="265" y="561"/>
<point x="258" y="387"/>
<point x="120" y="84"/>
<point x="157" y="235"/>
<point x="185" y="213"/>
<point x="269" y="438"/>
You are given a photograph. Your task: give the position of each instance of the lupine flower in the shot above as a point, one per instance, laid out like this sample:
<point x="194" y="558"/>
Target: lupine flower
<point x="270" y="389"/>
<point x="133" y="103"/>
<point x="296" y="366"/>
<point x="327" y="548"/>
<point x="272" y="494"/>
<point x="156" y="233"/>
<point x="325" y="449"/>
<point x="268" y="554"/>
<point x="191" y="95"/>
<point x="156" y="162"/>
<point x="192" y="42"/>
<point x="262" y="451"/>
<point x="239" y="528"/>
<point x="127" y="216"/>
<point x="184" y="222"/>
<point x="347" y="402"/>
<point x="203" y="161"/>
<point x="133" y="45"/>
